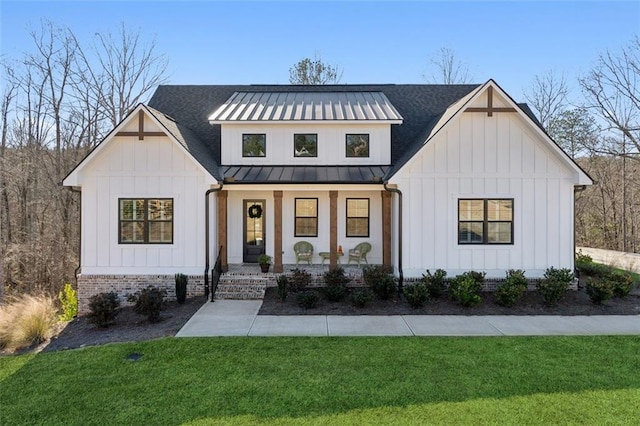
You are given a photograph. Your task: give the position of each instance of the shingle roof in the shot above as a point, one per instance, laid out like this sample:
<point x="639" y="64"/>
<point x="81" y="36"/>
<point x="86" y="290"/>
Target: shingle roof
<point x="419" y="105"/>
<point x="306" y="106"/>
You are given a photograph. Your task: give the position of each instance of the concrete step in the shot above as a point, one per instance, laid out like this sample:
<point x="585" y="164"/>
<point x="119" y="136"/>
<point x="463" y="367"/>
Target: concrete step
<point x="238" y="287"/>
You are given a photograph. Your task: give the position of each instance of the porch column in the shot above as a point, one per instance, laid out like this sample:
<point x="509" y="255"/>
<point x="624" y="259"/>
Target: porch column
<point x="333" y="229"/>
<point x="222" y="229"/>
<point x="277" y="231"/>
<point x="386" y="228"/>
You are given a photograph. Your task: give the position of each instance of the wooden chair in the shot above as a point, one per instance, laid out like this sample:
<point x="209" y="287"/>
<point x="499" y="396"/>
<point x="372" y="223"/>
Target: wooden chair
<point x="359" y="253"/>
<point x="303" y="251"/>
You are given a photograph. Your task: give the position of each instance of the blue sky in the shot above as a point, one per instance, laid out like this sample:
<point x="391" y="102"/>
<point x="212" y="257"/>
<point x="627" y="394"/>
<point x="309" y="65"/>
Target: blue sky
<point x="211" y="42"/>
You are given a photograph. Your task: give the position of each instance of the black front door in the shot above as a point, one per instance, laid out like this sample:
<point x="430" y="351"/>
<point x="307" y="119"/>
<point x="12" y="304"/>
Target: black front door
<point x="254" y="236"/>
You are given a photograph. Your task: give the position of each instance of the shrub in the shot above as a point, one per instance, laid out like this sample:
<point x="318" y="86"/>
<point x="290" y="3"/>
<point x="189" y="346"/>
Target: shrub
<point x="582" y="258"/>
<point x="599" y="290"/>
<point x="149" y="302"/>
<point x="622" y="283"/>
<point x="308" y="299"/>
<point x="26" y="321"/>
<point x="465" y="289"/>
<point x="69" y="302"/>
<point x="181" y="288"/>
<point x="436" y="283"/>
<point x="512" y="289"/>
<point x="416" y="294"/>
<point x="299" y="280"/>
<point x="592" y="269"/>
<point x="283" y="284"/>
<point x="361" y="296"/>
<point x="380" y="280"/>
<point x="336" y="282"/>
<point x="103" y="309"/>
<point x="555" y="284"/>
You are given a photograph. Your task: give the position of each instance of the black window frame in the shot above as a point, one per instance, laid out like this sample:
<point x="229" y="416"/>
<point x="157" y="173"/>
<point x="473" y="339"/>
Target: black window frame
<point x="295" y="135"/>
<point x="346" y="145"/>
<point x="296" y="217"/>
<point x="347" y="217"/>
<point x="145" y="221"/>
<point x="485" y="222"/>
<point x="264" y="135"/>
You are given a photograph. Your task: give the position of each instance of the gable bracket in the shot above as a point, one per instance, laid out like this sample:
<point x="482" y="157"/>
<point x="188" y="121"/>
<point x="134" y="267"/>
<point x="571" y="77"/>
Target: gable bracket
<point x="490" y="108"/>
<point x="141" y="133"/>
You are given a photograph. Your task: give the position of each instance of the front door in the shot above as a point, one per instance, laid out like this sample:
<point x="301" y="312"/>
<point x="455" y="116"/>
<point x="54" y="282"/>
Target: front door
<point x="254" y="237"/>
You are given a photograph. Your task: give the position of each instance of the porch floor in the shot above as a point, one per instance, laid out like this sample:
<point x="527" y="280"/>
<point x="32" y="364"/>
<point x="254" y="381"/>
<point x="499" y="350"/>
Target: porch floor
<point x="314" y="269"/>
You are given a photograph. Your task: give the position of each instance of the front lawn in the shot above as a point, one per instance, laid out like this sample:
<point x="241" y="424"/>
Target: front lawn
<point x="520" y="380"/>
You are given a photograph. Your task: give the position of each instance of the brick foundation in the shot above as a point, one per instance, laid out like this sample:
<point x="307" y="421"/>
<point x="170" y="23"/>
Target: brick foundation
<point x="124" y="285"/>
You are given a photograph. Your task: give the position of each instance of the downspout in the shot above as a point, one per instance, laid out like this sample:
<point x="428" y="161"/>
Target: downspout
<point x="400" y="273"/>
<point x="576" y="189"/>
<point x="206" y="237"/>
<point x="77" y="270"/>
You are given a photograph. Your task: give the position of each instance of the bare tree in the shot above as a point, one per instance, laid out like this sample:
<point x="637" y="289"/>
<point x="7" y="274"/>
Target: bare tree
<point x="547" y="96"/>
<point x="314" y="71"/>
<point x="447" y="69"/>
<point x="612" y="90"/>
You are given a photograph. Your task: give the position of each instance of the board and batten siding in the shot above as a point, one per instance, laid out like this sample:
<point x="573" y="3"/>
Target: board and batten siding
<point x="475" y="156"/>
<point x="331" y="143"/>
<point x="155" y="167"/>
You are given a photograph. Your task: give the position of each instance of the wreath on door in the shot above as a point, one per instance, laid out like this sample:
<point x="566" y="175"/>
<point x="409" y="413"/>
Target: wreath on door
<point x="255" y="211"/>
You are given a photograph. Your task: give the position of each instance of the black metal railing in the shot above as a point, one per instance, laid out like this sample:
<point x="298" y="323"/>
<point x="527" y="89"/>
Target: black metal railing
<point x="215" y="274"/>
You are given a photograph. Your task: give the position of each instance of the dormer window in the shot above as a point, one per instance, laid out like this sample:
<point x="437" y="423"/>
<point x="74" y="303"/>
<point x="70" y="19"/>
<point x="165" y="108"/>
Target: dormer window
<point x="358" y="145"/>
<point x="305" y="145"/>
<point x="254" y="145"/>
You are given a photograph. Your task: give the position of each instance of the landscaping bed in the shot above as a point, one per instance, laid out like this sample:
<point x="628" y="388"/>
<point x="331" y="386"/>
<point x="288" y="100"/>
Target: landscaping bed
<point x="575" y="302"/>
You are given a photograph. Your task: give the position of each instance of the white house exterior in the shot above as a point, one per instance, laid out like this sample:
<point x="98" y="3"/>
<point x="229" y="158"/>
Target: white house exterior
<point x="454" y="177"/>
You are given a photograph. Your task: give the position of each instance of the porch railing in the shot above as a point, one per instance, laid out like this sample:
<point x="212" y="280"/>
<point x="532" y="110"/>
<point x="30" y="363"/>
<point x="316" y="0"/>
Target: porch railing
<point x="215" y="275"/>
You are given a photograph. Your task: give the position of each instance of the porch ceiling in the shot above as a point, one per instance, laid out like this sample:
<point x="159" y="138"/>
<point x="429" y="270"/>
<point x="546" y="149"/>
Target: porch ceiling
<point x="305" y="174"/>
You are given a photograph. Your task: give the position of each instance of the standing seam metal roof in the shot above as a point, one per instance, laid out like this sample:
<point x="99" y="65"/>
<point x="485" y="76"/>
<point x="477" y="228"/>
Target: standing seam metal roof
<point x="306" y="106"/>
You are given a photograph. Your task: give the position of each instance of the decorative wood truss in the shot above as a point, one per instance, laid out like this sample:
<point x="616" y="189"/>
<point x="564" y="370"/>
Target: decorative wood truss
<point x="490" y="109"/>
<point x="141" y="133"/>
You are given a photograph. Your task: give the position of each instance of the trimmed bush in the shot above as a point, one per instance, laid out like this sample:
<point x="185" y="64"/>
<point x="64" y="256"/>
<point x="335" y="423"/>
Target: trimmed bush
<point x="379" y="279"/>
<point x="308" y="299"/>
<point x="69" y="302"/>
<point x="26" y="321"/>
<point x="511" y="290"/>
<point x="465" y="289"/>
<point x="599" y="290"/>
<point x="103" y="309"/>
<point x="555" y="284"/>
<point x="181" y="288"/>
<point x="299" y="280"/>
<point x="436" y="283"/>
<point x="622" y="283"/>
<point x="416" y="294"/>
<point x="283" y="287"/>
<point x="336" y="284"/>
<point x="360" y="297"/>
<point x="149" y="302"/>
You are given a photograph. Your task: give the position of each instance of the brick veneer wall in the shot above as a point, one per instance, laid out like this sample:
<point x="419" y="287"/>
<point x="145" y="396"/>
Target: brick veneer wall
<point x="124" y="285"/>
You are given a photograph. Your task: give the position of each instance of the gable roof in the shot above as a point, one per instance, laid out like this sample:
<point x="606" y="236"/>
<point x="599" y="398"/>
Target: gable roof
<point x="178" y="133"/>
<point x="253" y="107"/>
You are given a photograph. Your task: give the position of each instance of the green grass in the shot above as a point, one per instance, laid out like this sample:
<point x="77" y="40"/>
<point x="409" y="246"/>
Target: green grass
<point x="519" y="380"/>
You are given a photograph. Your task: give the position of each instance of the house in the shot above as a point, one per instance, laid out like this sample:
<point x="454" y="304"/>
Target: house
<point x="456" y="177"/>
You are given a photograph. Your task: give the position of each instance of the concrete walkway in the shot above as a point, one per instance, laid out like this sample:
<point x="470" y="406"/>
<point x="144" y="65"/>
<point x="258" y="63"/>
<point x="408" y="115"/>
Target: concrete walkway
<point x="240" y="318"/>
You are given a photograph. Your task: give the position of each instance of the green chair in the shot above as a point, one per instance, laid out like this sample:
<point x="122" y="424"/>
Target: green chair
<point x="359" y="253"/>
<point x="303" y="251"/>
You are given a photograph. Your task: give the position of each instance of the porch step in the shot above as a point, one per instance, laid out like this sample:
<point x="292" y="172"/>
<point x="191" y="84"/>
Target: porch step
<point x="239" y="287"/>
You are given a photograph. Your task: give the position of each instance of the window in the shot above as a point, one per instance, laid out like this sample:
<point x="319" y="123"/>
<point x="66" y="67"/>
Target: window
<point x="306" y="217"/>
<point x="357" y="217"/>
<point x="305" y="145"/>
<point x="358" y="145"/>
<point x="254" y="145"/>
<point x="145" y="221"/>
<point x="485" y="221"/>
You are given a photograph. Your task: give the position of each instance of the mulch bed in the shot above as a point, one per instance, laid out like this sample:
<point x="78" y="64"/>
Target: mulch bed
<point x="574" y="303"/>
